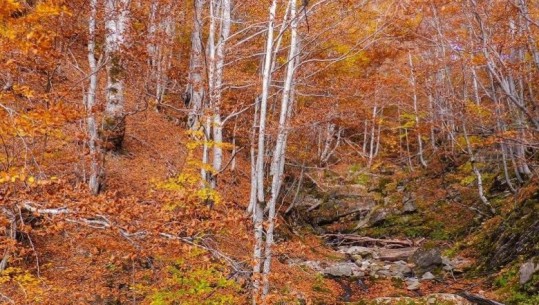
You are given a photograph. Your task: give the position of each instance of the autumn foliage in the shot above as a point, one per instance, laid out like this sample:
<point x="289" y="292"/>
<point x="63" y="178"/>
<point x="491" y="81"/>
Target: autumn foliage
<point x="442" y="92"/>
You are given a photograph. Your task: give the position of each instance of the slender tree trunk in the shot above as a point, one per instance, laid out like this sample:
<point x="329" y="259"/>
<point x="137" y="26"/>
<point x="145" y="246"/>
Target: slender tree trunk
<point x="113" y="126"/>
<point x="216" y="90"/>
<point x="372" y="135"/>
<point x="253" y="139"/>
<point x="416" y="112"/>
<point x="277" y="164"/>
<point x="477" y="172"/>
<point x="95" y="167"/>
<point x="259" y="207"/>
<point x="194" y="94"/>
<point x="160" y="35"/>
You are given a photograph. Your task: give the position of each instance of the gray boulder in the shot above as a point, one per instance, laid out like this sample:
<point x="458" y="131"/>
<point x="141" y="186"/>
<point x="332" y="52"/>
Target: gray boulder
<point x="378" y="216"/>
<point x="343" y="270"/>
<point x="400" y="269"/>
<point x="409" y="203"/>
<point x="412" y="284"/>
<point x="526" y="271"/>
<point x="427" y="260"/>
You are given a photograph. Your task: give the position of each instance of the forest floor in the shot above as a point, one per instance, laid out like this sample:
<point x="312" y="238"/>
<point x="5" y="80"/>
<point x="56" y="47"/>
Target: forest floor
<point x="118" y="247"/>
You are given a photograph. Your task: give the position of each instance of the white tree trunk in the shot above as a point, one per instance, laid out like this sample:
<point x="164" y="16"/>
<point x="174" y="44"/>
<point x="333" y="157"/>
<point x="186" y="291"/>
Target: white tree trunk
<point x="95" y="169"/>
<point x="416" y="112"/>
<point x="194" y="93"/>
<point x="477" y="172"/>
<point x="216" y="83"/>
<point x="113" y="127"/>
<point x="259" y="166"/>
<point x="277" y="164"/>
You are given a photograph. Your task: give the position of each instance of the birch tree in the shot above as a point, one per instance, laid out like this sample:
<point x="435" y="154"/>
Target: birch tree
<point x="160" y="34"/>
<point x="194" y="94"/>
<point x="116" y="23"/>
<point x="278" y="160"/>
<point x="259" y="205"/>
<point x="95" y="167"/>
<point x="219" y="15"/>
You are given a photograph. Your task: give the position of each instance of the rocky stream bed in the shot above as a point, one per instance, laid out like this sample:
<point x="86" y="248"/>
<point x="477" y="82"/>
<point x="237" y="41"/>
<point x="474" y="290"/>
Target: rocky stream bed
<point x="360" y="259"/>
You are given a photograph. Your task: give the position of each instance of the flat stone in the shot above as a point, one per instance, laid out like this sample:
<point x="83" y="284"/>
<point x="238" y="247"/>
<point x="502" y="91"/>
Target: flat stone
<point x="400" y="269"/>
<point x="458" y="264"/>
<point x="343" y="270"/>
<point x="358" y="250"/>
<point x="448" y="298"/>
<point x="427" y="276"/>
<point x="412" y="284"/>
<point x="312" y="265"/>
<point x="393" y="255"/>
<point x="365" y="265"/>
<point x="434" y="299"/>
<point x="526" y="272"/>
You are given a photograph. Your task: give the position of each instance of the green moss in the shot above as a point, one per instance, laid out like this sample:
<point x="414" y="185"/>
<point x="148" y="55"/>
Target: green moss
<point x="319" y="285"/>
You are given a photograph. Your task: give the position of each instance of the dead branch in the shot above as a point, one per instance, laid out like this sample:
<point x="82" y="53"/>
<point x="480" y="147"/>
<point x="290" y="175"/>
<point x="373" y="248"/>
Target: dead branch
<point x="10" y="234"/>
<point x="237" y="266"/>
<point x="362" y="240"/>
<point x="27" y="205"/>
<point x="477" y="299"/>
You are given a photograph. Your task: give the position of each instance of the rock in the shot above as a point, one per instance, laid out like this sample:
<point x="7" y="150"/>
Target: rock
<point x="461" y="264"/>
<point x="409" y="203"/>
<point x="343" y="270"/>
<point x="412" y="284"/>
<point x="400" y="269"/>
<point x="375" y="267"/>
<point x="427" y="260"/>
<point x="312" y="265"/>
<point x="378" y="216"/>
<point x="398" y="254"/>
<point x="433" y="299"/>
<point x="357" y="250"/>
<point x="375" y="217"/>
<point x="384" y="273"/>
<point x="446" y="262"/>
<point x="357" y="258"/>
<point x="453" y="299"/>
<point x="526" y="271"/>
<point x="409" y="207"/>
<point x="427" y="276"/>
<point x="365" y="265"/>
<point x="517" y="235"/>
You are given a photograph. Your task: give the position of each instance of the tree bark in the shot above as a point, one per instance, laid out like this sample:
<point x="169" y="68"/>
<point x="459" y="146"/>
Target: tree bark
<point x="277" y="164"/>
<point x="194" y="94"/>
<point x="94" y="182"/>
<point x="113" y="125"/>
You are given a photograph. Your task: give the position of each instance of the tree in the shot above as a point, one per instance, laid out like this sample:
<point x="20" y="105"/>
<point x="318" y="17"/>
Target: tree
<point x="116" y="25"/>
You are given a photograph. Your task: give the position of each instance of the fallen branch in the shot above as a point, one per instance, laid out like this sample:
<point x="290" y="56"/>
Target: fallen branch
<point x="361" y="240"/>
<point x="7" y="299"/>
<point x="96" y="222"/>
<point x="477" y="299"/>
<point x="216" y="253"/>
<point x="102" y="222"/>
<point x="324" y="222"/>
<point x="10" y="234"/>
<point x="316" y="182"/>
<point x="57" y="211"/>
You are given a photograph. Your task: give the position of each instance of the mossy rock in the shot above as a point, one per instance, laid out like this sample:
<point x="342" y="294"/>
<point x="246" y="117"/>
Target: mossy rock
<point x="517" y="236"/>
